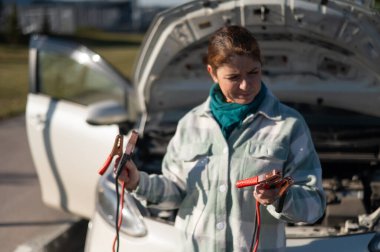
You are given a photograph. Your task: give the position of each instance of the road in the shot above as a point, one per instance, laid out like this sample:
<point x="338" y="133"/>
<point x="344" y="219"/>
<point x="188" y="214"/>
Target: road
<point x="23" y="216"/>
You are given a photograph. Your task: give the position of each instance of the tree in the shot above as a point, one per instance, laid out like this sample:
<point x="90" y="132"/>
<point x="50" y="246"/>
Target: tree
<point x="46" y="29"/>
<point x="12" y="28"/>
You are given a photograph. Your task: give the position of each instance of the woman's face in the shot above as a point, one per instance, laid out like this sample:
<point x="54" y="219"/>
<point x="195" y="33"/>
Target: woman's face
<point x="239" y="80"/>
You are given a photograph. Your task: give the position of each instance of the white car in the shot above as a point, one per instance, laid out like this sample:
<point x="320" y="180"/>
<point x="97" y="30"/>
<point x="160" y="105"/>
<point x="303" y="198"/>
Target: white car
<point x="321" y="57"/>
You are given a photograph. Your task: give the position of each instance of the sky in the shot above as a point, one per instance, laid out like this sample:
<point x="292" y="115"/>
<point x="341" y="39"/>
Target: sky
<point x="140" y="2"/>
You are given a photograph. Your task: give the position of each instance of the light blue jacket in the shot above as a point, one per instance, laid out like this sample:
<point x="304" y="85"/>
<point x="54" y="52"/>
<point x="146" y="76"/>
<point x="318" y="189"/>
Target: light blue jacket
<point x="200" y="170"/>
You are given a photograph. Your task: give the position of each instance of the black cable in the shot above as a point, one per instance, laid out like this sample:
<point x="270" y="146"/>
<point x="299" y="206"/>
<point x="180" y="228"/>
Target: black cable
<point x="125" y="157"/>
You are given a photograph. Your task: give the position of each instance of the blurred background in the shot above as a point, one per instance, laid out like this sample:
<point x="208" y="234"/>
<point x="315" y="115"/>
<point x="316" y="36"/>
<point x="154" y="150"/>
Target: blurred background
<point x="112" y="28"/>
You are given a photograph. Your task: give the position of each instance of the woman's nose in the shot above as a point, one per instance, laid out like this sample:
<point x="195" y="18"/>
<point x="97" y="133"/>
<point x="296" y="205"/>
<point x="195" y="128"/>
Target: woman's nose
<point x="245" y="83"/>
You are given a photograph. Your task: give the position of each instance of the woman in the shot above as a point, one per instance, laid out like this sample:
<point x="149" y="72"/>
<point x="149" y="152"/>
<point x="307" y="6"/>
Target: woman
<point x="240" y="131"/>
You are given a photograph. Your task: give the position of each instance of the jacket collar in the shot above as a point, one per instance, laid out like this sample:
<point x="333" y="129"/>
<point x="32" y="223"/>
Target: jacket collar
<point x="270" y="108"/>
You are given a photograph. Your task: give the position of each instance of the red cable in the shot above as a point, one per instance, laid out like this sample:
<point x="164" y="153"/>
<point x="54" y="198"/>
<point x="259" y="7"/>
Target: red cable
<point x="258" y="224"/>
<point x="120" y="214"/>
<point x="258" y="220"/>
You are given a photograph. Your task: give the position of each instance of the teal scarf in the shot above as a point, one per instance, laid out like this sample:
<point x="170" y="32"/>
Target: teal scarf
<point x="229" y="115"/>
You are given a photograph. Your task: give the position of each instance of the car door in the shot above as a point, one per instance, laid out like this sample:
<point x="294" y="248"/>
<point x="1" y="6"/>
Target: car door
<point x="65" y="78"/>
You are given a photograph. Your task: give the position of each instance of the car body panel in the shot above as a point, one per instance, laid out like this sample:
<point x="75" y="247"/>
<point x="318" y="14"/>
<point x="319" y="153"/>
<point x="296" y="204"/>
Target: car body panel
<point x="66" y="166"/>
<point x="349" y="243"/>
<point x="161" y="237"/>
<point x="166" y="238"/>
<point x="345" y="54"/>
<point x="66" y="150"/>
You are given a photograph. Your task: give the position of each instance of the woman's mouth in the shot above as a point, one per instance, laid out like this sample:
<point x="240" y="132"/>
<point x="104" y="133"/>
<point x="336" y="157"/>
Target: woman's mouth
<point x="245" y="95"/>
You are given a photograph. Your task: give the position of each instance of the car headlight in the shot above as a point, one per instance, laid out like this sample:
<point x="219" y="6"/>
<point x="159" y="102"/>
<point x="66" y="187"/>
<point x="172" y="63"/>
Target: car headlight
<point x="374" y="244"/>
<point x="132" y="222"/>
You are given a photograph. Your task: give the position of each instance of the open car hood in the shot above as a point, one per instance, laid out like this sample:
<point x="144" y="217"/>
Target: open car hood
<point x="314" y="52"/>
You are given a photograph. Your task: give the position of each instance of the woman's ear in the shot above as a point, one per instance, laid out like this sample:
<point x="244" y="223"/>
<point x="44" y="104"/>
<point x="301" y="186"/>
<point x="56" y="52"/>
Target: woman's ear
<point x="212" y="73"/>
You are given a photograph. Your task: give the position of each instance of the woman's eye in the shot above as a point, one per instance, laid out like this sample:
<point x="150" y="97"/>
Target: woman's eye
<point x="253" y="72"/>
<point x="233" y="78"/>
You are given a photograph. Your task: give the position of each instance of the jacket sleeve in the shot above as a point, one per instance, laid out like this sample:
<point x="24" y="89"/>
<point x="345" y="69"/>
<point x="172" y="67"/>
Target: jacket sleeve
<point x="305" y="200"/>
<point x="165" y="191"/>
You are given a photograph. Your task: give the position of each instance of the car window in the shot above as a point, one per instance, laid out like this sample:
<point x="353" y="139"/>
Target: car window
<point x="63" y="77"/>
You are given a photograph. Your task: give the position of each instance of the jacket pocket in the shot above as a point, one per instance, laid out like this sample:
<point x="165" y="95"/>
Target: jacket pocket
<point x="195" y="158"/>
<point x="275" y="152"/>
<point x="263" y="157"/>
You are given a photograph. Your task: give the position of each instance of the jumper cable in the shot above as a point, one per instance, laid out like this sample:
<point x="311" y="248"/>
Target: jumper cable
<point x="269" y="180"/>
<point x="123" y="159"/>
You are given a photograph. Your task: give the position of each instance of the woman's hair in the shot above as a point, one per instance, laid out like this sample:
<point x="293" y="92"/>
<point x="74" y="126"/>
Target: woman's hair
<point x="229" y="41"/>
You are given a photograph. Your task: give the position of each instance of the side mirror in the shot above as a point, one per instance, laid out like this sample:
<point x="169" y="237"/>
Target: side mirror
<point x="106" y="113"/>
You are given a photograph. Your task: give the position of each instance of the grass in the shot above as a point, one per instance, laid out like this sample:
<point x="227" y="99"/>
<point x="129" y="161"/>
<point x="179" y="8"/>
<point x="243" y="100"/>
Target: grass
<point x="118" y="49"/>
<point x="13" y="80"/>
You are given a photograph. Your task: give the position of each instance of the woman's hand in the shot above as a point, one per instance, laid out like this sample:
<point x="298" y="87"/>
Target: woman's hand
<point x="129" y="175"/>
<point x="265" y="196"/>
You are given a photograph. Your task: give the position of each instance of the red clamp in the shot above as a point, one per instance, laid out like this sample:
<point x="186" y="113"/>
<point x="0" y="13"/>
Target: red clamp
<point x="117" y="150"/>
<point x="270" y="180"/>
<point x="266" y="178"/>
<point x="128" y="152"/>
